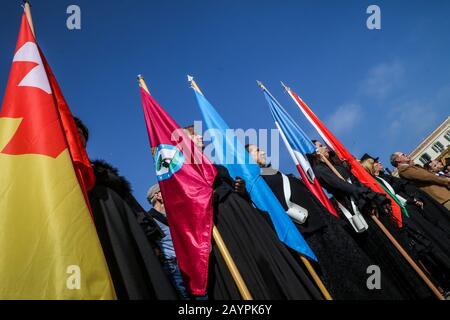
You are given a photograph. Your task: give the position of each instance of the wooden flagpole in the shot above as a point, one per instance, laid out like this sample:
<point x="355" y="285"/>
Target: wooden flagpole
<point x="239" y="281"/>
<point x="397" y="245"/>
<point x="316" y="278"/>
<point x="27" y="9"/>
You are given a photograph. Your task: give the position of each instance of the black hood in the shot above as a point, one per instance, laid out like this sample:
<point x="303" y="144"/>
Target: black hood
<point x="108" y="176"/>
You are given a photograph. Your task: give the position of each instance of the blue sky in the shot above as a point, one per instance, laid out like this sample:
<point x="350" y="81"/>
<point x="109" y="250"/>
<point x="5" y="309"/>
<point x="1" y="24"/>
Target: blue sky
<point x="379" y="90"/>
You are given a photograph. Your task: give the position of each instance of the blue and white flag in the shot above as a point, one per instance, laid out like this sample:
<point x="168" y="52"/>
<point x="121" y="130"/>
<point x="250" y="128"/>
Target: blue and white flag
<point x="230" y="153"/>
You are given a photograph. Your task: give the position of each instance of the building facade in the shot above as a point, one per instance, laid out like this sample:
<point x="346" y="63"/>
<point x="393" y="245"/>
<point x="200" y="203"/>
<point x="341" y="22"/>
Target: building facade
<point x="435" y="146"/>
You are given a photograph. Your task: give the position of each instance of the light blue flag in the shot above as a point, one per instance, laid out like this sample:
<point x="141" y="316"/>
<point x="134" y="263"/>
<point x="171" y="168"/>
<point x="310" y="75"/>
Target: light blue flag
<point x="230" y="153"/>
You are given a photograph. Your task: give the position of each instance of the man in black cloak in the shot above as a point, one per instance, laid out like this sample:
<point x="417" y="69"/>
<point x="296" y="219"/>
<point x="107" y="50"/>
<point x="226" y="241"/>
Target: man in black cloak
<point x="427" y="237"/>
<point x="342" y="264"/>
<point x="267" y="267"/>
<point x="373" y="241"/>
<point x="126" y="234"/>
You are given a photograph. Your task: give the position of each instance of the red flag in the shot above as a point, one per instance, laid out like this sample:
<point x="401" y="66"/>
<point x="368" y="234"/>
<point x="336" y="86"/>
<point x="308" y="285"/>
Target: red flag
<point x="357" y="170"/>
<point x="185" y="178"/>
<point x="80" y="159"/>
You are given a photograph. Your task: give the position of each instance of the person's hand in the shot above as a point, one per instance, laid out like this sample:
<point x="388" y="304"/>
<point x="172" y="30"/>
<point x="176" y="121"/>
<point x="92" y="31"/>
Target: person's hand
<point x="374" y="212"/>
<point x="387" y="209"/>
<point x="239" y="186"/>
<point x="418" y="203"/>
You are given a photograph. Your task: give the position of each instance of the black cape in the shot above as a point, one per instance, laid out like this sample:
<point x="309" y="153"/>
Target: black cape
<point x="427" y="239"/>
<point x="267" y="267"/>
<point x="373" y="241"/>
<point x="433" y="211"/>
<point x="126" y="234"/>
<point x="343" y="264"/>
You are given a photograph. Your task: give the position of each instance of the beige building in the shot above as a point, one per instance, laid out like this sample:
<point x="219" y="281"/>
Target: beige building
<point x="435" y="146"/>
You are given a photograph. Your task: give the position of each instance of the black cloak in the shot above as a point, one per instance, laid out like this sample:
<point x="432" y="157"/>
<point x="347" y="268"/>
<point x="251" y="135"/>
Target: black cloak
<point x="127" y="235"/>
<point x="426" y="228"/>
<point x="267" y="267"/>
<point x="373" y="241"/>
<point x="343" y="264"/>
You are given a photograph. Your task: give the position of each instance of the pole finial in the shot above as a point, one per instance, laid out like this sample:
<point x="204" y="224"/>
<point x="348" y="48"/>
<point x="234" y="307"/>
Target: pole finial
<point x="194" y="84"/>
<point x="285" y="86"/>
<point x="27" y="9"/>
<point x="142" y="83"/>
<point x="261" y="85"/>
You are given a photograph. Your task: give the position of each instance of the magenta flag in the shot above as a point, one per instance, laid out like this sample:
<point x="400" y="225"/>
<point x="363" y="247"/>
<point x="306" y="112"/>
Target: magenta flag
<point x="185" y="178"/>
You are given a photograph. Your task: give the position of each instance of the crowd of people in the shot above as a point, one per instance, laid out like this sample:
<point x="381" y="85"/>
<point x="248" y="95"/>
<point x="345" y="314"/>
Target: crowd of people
<point x="142" y="260"/>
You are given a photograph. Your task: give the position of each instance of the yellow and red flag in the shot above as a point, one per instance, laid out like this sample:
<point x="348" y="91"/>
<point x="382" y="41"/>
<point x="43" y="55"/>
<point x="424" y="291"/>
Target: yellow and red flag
<point x="49" y="248"/>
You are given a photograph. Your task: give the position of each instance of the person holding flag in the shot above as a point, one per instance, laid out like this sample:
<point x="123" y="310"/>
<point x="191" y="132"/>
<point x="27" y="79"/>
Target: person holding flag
<point x="338" y="253"/>
<point x="426" y="241"/>
<point x="336" y="250"/>
<point x="267" y="266"/>
<point x="354" y="197"/>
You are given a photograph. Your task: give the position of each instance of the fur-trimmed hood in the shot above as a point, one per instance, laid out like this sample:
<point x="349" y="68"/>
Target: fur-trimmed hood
<point x="109" y="176"/>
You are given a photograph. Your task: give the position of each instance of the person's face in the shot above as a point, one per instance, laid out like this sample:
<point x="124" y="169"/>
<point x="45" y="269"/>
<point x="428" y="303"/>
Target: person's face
<point x="82" y="137"/>
<point x="258" y="155"/>
<point x="198" y="139"/>
<point x="158" y="197"/>
<point x="436" y="166"/>
<point x="403" y="158"/>
<point x="321" y="149"/>
<point x="378" y="166"/>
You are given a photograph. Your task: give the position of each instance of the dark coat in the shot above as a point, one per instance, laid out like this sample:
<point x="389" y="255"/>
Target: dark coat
<point x="437" y="187"/>
<point x="342" y="263"/>
<point x="373" y="241"/>
<point x="126" y="235"/>
<point x="267" y="267"/>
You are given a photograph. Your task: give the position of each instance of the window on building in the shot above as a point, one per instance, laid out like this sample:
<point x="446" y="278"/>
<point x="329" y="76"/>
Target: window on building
<point x="425" y="158"/>
<point x="438" y="147"/>
<point x="447" y="136"/>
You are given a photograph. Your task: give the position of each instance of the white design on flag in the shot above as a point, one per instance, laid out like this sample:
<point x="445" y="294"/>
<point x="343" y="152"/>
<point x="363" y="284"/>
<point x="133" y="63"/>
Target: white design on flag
<point x="296" y="156"/>
<point x="305" y="165"/>
<point x="37" y="77"/>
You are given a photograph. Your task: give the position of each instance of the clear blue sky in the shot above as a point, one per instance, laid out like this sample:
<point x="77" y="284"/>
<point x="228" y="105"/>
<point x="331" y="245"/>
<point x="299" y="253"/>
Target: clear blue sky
<point x="381" y="91"/>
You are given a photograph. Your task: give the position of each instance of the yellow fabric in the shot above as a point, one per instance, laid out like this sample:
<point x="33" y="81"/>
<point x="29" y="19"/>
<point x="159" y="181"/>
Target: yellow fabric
<point x="45" y="228"/>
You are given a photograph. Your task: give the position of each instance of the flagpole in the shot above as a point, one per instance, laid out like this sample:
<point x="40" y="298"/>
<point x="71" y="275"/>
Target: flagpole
<point x="239" y="281"/>
<point x="27" y="9"/>
<point x="142" y="83"/>
<point x="397" y="245"/>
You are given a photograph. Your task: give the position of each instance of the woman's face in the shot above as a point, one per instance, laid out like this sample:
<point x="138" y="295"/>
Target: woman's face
<point x="378" y="167"/>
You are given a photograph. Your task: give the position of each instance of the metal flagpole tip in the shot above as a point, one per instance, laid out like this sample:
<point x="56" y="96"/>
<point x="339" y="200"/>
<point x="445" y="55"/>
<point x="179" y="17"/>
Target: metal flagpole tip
<point x="284" y="86"/>
<point x="190" y="78"/>
<point x="140" y="77"/>
<point x="260" y="84"/>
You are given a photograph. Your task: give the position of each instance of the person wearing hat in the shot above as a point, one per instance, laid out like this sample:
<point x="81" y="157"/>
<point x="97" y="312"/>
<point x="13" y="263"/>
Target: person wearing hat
<point x="170" y="264"/>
